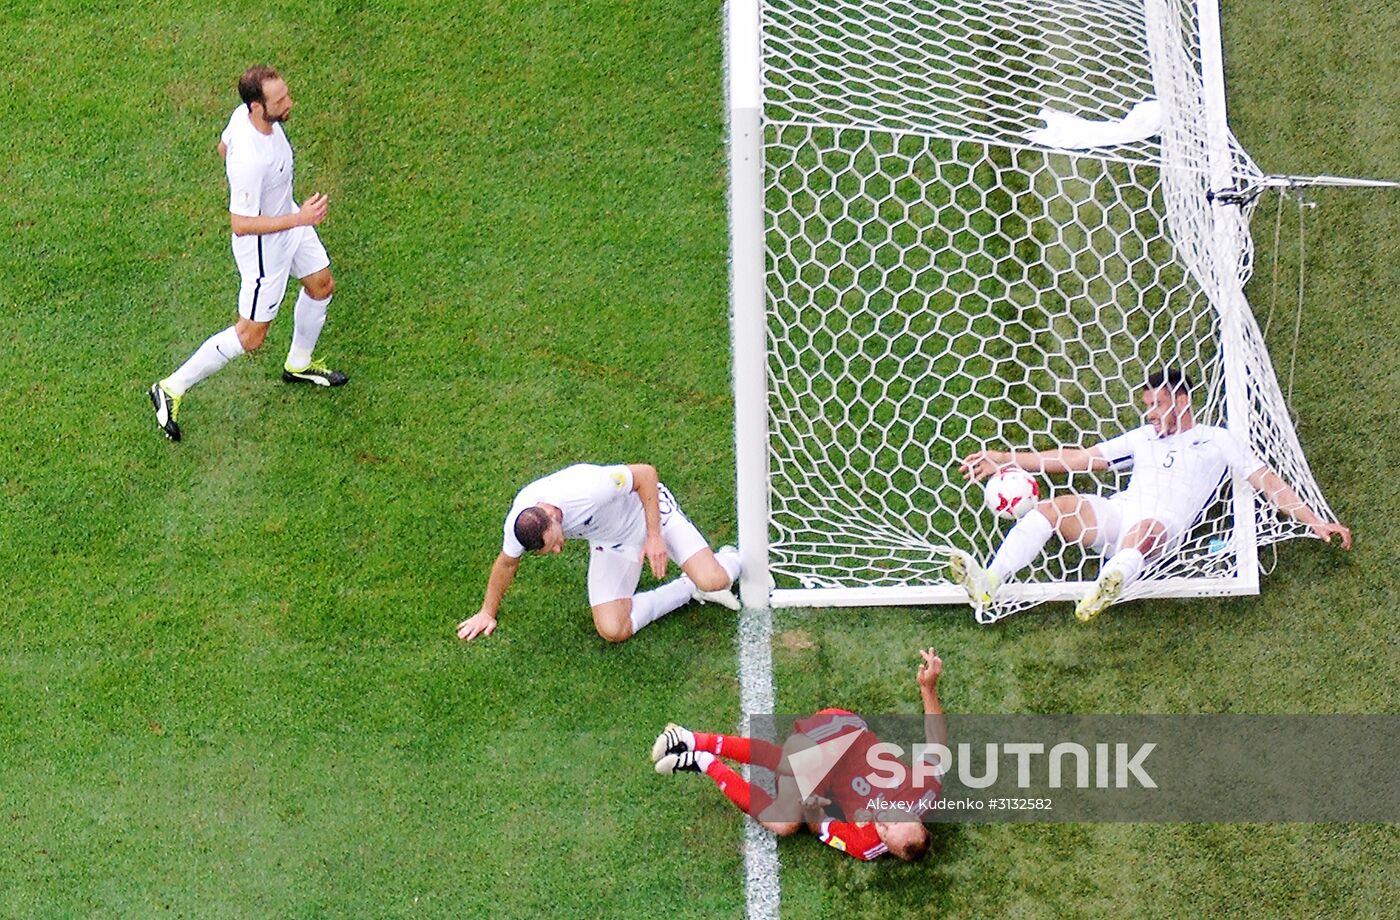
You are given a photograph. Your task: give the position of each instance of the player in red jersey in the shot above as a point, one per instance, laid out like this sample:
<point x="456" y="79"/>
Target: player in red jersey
<point x="838" y="809"/>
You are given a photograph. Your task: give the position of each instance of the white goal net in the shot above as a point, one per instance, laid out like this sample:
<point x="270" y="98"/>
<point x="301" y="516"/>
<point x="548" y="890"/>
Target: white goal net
<point x="921" y="269"/>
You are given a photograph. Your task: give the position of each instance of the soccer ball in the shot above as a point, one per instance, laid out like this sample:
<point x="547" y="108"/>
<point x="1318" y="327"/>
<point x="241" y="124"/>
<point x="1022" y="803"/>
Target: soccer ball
<point x="1011" y="492"/>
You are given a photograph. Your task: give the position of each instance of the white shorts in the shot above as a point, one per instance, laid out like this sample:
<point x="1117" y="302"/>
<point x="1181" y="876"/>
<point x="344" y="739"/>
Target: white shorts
<point x="266" y="261"/>
<point x="614" y="569"/>
<point x="1116" y="515"/>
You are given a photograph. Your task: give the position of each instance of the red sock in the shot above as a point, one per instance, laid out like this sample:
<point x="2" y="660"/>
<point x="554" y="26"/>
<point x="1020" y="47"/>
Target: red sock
<point x="744" y="750"/>
<point x="750" y="799"/>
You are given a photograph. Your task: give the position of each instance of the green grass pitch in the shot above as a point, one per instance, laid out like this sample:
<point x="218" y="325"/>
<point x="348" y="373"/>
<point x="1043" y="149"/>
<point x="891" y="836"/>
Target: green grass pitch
<point x="228" y="681"/>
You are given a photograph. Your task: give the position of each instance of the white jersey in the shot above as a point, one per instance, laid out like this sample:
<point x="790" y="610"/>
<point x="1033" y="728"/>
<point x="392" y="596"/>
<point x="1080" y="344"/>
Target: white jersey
<point x="598" y="502"/>
<point x="1174" y="476"/>
<point x="259" y="168"/>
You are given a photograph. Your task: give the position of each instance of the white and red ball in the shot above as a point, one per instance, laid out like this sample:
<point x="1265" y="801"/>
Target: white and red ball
<point x="1011" y="492"/>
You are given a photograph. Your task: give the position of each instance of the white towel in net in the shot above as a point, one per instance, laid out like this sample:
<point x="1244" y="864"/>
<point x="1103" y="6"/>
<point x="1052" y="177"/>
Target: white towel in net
<point x="1070" y="132"/>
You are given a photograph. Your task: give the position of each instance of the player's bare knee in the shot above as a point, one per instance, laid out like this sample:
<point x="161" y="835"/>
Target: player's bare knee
<point x="1149" y="545"/>
<point x="614" y="630"/>
<point x="716" y="579"/>
<point x="1146" y="540"/>
<point x="252" y="337"/>
<point x="319" y="287"/>
<point x="783" y="828"/>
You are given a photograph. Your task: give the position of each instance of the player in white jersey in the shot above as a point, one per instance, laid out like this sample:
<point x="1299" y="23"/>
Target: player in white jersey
<point x="628" y="517"/>
<point x="1176" y="465"/>
<point x="273" y="240"/>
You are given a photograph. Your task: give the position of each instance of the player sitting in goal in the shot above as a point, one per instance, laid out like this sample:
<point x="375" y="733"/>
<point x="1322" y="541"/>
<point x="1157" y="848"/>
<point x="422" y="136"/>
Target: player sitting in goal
<point x="1177" y="465"/>
<point x="842" y="807"/>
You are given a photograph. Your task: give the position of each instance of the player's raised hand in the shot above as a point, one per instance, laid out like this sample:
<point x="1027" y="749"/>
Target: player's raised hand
<point x="1327" y="530"/>
<point x="654" y="552"/>
<point x="313" y="209"/>
<point x="931" y="669"/>
<point x="481" y="624"/>
<point x="980" y="465"/>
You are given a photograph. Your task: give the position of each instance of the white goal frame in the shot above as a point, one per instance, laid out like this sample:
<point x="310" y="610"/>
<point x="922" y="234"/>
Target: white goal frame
<point x="749" y="304"/>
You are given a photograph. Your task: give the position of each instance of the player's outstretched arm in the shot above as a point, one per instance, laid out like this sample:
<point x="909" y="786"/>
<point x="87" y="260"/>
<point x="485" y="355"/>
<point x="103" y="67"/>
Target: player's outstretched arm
<point x="483" y="622"/>
<point x="983" y="463"/>
<point x="645" y="483"/>
<point x="1281" y="494"/>
<point x="935" y="727"/>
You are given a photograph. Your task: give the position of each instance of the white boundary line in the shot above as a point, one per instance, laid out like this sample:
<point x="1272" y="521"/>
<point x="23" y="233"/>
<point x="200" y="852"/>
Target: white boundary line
<point x="762" y="892"/>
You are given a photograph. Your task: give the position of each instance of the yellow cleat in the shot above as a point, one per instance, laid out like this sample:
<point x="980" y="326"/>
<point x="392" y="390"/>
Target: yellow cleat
<point x="315" y="373"/>
<point x="167" y="408"/>
<point x="979" y="584"/>
<point x="1106" y="590"/>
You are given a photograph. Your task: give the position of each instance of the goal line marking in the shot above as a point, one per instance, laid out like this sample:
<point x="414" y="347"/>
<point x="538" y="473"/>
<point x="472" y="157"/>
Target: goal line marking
<point x="762" y="891"/>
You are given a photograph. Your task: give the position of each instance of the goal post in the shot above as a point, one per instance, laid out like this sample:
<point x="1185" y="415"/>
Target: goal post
<point x="1232" y="237"/>
<point x="921" y="266"/>
<point x="747" y="298"/>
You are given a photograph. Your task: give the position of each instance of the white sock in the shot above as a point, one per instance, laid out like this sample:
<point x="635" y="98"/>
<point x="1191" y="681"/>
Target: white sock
<point x="217" y="350"/>
<point x="730" y="561"/>
<point x="1021" y="546"/>
<point x="650" y="606"/>
<point x="310" y="319"/>
<point x="1128" y="561"/>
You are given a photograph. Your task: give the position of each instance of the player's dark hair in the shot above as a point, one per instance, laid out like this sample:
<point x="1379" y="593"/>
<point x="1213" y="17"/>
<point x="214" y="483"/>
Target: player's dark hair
<point x="250" y="85"/>
<point x="1172" y="378"/>
<point x="530" y="526"/>
<point x="914" y="850"/>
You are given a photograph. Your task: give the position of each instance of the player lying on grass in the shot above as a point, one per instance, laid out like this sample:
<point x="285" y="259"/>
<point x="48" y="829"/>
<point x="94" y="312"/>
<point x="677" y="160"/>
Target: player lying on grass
<point x="843" y="809"/>
<point x="1176" y="465"/>
<point x="628" y="517"/>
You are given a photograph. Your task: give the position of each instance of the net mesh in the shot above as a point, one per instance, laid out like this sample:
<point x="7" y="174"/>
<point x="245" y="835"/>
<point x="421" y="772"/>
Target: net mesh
<point x="937" y="282"/>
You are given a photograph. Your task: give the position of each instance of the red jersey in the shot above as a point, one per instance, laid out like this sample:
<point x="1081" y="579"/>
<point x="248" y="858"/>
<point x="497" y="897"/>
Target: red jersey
<point x="847" y="785"/>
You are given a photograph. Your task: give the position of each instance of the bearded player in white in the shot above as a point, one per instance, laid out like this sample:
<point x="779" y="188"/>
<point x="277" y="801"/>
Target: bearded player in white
<point x="1177" y="465"/>
<point x="272" y="240"/>
<point x="628" y="517"/>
